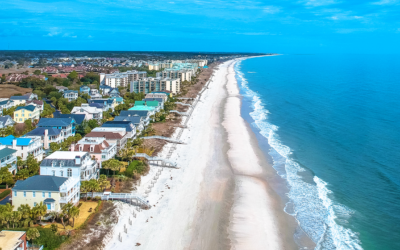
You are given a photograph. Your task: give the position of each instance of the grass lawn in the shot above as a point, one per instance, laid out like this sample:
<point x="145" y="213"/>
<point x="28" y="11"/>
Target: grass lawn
<point x="83" y="215"/>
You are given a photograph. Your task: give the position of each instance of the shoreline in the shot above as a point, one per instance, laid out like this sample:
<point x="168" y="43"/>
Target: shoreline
<point x="202" y="204"/>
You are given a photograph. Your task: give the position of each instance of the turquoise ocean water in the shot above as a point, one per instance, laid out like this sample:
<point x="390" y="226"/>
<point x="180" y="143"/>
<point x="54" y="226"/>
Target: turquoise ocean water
<point x="332" y="123"/>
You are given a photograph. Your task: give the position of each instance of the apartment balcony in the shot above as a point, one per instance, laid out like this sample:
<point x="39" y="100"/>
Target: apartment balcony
<point x="9" y="161"/>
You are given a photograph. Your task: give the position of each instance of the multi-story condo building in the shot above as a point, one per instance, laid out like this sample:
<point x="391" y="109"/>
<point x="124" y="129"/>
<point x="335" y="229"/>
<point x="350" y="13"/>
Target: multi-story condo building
<point x="184" y="75"/>
<point x="150" y="84"/>
<point x="23" y="113"/>
<point x="97" y="147"/>
<point x="8" y="156"/>
<point x="53" y="191"/>
<point x="24" y="146"/>
<point x="117" y="79"/>
<point x="70" y="164"/>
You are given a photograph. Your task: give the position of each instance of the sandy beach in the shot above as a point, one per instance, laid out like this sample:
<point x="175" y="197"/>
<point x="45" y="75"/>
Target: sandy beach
<point x="220" y="197"/>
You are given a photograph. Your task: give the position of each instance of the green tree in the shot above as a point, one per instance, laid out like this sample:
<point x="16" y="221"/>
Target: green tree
<point x="39" y="211"/>
<point x="32" y="234"/>
<point x="37" y="72"/>
<point x="54" y="228"/>
<point x="73" y="213"/>
<point x="5" y="176"/>
<point x="73" y="75"/>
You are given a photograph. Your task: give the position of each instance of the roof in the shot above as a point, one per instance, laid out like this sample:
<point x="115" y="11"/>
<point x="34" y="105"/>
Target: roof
<point x="19" y="97"/>
<point x="11" y="239"/>
<point x="105" y="87"/>
<point x="44" y="122"/>
<point x="142" y="103"/>
<point x="40" y="132"/>
<point x="142" y="108"/>
<point x="77" y="117"/>
<point x="107" y="135"/>
<point x="4" y="118"/>
<point x="152" y="103"/>
<point x="4" y="102"/>
<point x="70" y="91"/>
<point x="29" y="107"/>
<point x="40" y="183"/>
<point x="20" y="141"/>
<point x="119" y="124"/>
<point x="134" y="119"/>
<point x="97" y="105"/>
<point x="97" y="147"/>
<point x="65" y="155"/>
<point x="109" y="101"/>
<point x="161" y="100"/>
<point x="35" y="102"/>
<point x="6" y="152"/>
<point x="49" y="200"/>
<point x="134" y="112"/>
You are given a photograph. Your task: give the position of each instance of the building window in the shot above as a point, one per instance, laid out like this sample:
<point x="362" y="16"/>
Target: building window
<point x="34" y="204"/>
<point x="34" y="194"/>
<point x="49" y="194"/>
<point x="61" y="173"/>
<point x="69" y="172"/>
<point x="43" y="195"/>
<point x="24" y="193"/>
<point x="54" y="172"/>
<point x="15" y="193"/>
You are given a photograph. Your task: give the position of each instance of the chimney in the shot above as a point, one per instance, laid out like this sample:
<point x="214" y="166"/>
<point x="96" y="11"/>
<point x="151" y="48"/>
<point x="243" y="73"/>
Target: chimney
<point x="46" y="139"/>
<point x="14" y="143"/>
<point x="77" y="160"/>
<point x="72" y="147"/>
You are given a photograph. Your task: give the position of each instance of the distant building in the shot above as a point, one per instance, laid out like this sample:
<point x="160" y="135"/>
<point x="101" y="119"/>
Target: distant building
<point x="117" y="79"/>
<point x="71" y="95"/>
<point x="6" y="104"/>
<point x="6" y="121"/>
<point x="23" y="98"/>
<point x="89" y="112"/>
<point x="67" y="125"/>
<point x="53" y="191"/>
<point x="8" y="156"/>
<point x="84" y="89"/>
<point x="148" y="85"/>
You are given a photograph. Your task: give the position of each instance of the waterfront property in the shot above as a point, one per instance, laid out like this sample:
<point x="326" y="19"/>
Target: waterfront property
<point x="8" y="156"/>
<point x="149" y="104"/>
<point x="145" y="114"/>
<point x="23" y="113"/>
<point x="53" y="191"/>
<point x="115" y="136"/>
<point x="117" y="79"/>
<point x="161" y="95"/>
<point x="137" y="120"/>
<point x="129" y="126"/>
<point x="70" y="164"/>
<point x="71" y="95"/>
<point x="97" y="147"/>
<point x="67" y="125"/>
<point x="24" y="146"/>
<point x="150" y="84"/>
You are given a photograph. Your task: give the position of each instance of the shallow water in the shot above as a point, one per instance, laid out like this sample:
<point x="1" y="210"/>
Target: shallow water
<point x="332" y="123"/>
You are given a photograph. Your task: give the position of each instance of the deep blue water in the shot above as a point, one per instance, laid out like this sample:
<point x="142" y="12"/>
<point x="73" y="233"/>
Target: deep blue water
<point x="333" y="122"/>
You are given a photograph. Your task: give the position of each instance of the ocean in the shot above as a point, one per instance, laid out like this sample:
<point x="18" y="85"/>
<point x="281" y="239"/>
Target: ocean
<point x="331" y="124"/>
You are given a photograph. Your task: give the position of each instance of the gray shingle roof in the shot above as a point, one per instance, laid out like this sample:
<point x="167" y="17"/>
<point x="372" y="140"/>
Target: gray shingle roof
<point x="6" y="152"/>
<point x="40" y="132"/>
<point x="55" y="122"/>
<point x="40" y="183"/>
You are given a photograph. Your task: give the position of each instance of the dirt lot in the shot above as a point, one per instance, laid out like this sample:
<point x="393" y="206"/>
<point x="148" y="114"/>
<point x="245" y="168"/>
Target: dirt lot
<point x="7" y="90"/>
<point x="18" y="71"/>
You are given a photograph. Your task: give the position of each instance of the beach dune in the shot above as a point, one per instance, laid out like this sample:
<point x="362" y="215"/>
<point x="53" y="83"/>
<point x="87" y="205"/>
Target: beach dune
<point x="219" y="197"/>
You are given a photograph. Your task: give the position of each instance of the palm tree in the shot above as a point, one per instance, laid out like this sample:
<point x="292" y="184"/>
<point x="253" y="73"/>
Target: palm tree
<point x="65" y="213"/>
<point x="32" y="234"/>
<point x="103" y="182"/>
<point x="85" y="188"/>
<point x="93" y="186"/>
<point x="26" y="214"/>
<point x="16" y="217"/>
<point x="74" y="212"/>
<point x="8" y="217"/>
<point x="20" y="162"/>
<point x="39" y="211"/>
<point x="53" y="215"/>
<point x="115" y="165"/>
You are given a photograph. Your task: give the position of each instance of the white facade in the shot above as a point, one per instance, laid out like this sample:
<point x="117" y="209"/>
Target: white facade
<point x="70" y="164"/>
<point x="89" y="112"/>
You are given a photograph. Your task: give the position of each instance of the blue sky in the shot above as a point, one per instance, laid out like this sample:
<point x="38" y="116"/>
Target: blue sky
<point x="304" y="26"/>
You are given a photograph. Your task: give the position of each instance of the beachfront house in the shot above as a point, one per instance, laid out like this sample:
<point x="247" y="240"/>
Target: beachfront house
<point x="70" y="164"/>
<point x="8" y="157"/>
<point x="23" y="113"/>
<point x="142" y="113"/>
<point x="89" y="112"/>
<point x="151" y="104"/>
<point x="24" y="146"/>
<point x="159" y="100"/>
<point x="161" y="95"/>
<point x="71" y="95"/>
<point x="52" y="191"/>
<point x="117" y="136"/>
<point x="137" y="120"/>
<point x="97" y="147"/>
<point x="67" y="125"/>
<point x="129" y="127"/>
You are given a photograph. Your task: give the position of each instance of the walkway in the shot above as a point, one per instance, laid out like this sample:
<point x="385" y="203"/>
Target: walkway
<point x="164" y="138"/>
<point x="179" y="113"/>
<point x="132" y="198"/>
<point x="184" y="104"/>
<point x="157" y="160"/>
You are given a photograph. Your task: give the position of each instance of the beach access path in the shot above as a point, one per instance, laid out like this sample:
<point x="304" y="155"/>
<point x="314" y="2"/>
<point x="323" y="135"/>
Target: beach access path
<point x="219" y="197"/>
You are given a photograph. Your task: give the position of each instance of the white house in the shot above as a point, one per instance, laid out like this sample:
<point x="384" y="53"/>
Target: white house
<point x="24" y="146"/>
<point x="89" y="112"/>
<point x="71" y="95"/>
<point x="8" y="156"/>
<point x="97" y="147"/>
<point x="70" y="164"/>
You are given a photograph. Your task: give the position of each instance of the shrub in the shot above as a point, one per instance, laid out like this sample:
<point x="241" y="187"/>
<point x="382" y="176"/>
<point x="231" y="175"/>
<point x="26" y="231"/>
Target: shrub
<point x="5" y="193"/>
<point x="135" y="167"/>
<point x="49" y="239"/>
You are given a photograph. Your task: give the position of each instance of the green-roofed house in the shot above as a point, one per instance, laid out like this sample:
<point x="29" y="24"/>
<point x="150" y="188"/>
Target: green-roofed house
<point x="151" y="104"/>
<point x="23" y="113"/>
<point x="8" y="156"/>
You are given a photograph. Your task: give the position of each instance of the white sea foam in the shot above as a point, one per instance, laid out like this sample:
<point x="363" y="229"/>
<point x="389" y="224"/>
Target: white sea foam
<point x="316" y="213"/>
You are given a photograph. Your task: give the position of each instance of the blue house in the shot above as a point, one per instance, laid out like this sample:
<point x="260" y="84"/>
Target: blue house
<point x="129" y="126"/>
<point x="105" y="89"/>
<point x="142" y="113"/>
<point x="77" y="117"/>
<point x="108" y="103"/>
<point x="136" y="120"/>
<point x="84" y="89"/>
<point x="67" y="125"/>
